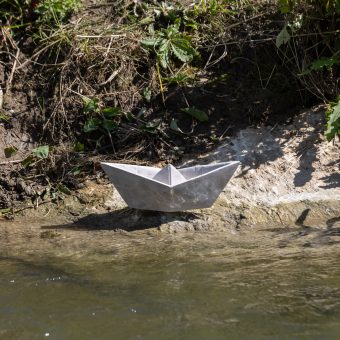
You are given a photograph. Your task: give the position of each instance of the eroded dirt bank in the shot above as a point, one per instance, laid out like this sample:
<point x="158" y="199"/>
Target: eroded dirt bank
<point x="289" y="177"/>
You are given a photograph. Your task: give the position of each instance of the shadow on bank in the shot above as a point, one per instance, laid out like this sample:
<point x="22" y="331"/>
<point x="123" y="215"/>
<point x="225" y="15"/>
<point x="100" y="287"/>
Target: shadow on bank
<point x="311" y="235"/>
<point x="126" y="219"/>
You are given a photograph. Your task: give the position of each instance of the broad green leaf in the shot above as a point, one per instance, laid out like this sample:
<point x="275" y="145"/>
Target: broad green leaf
<point x="319" y="64"/>
<point x="337" y="6"/>
<point x="323" y="62"/>
<point x="283" y="37"/>
<point x="164" y="59"/>
<point x="91" y="124"/>
<point x="10" y="151"/>
<point x="164" y="46"/>
<point x="110" y="112"/>
<point x="151" y="42"/>
<point x="109" y="125"/>
<point x="91" y="105"/>
<point x="198" y="114"/>
<point x="41" y="151"/>
<point x="183" y="50"/>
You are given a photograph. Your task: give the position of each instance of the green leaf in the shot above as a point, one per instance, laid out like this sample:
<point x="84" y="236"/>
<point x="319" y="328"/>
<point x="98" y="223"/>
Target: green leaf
<point x="130" y="117"/>
<point x="147" y="94"/>
<point x="284" y="6"/>
<point x="63" y="189"/>
<point x="10" y="151"/>
<point x="283" y="37"/>
<point x="151" y="127"/>
<point x="110" y="112"/>
<point x="337" y="6"/>
<point x="333" y="122"/>
<point x="4" y="117"/>
<point x="91" y="105"/>
<point x="41" y="151"/>
<point x="27" y="161"/>
<point x="198" y="114"/>
<point x="4" y="211"/>
<point x="164" y="59"/>
<point x="151" y="42"/>
<point x="323" y="62"/>
<point x="319" y="64"/>
<point x="183" y="50"/>
<point x="91" y="124"/>
<point x="179" y="78"/>
<point x="76" y="170"/>
<point x="174" y="126"/>
<point x="109" y="125"/>
<point x="146" y="21"/>
<point x="78" y="147"/>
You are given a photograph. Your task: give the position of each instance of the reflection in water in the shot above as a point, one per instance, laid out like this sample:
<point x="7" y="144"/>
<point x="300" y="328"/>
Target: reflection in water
<point x="190" y="286"/>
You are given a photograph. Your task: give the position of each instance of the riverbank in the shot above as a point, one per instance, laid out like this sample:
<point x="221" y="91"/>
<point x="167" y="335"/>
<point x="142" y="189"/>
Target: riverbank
<point x="156" y="83"/>
<point x="289" y="177"/>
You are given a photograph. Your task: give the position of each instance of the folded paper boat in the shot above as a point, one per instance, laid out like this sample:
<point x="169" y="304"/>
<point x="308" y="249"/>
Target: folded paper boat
<point x="170" y="189"/>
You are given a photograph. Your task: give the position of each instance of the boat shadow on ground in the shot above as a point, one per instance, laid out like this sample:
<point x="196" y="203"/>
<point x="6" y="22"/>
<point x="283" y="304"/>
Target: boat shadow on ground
<point x="126" y="219"/>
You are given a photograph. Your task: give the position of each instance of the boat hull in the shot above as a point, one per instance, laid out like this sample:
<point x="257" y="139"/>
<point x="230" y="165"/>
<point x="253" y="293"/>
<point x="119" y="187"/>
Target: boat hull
<point x="197" y="192"/>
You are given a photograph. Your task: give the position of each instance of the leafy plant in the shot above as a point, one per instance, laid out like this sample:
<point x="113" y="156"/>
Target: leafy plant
<point x="100" y="122"/>
<point x="333" y="120"/>
<point x="100" y="119"/>
<point x="41" y="152"/>
<point x="20" y="12"/>
<point x="169" y="43"/>
<point x="320" y="64"/>
<point x="198" y="114"/>
<point x="55" y="10"/>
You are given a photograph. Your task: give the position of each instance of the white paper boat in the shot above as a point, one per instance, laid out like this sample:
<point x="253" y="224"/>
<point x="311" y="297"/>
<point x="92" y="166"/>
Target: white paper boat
<point x="170" y="189"/>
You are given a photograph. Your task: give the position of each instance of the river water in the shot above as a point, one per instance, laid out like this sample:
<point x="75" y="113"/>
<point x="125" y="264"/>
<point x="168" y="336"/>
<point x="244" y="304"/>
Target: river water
<point x="263" y="284"/>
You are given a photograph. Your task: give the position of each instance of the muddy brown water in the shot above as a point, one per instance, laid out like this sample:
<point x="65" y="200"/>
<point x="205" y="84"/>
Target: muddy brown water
<point x="272" y="283"/>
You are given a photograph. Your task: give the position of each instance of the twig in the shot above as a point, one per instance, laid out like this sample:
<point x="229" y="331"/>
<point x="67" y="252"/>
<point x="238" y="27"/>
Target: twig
<point x="36" y="54"/>
<point x="1" y="97"/>
<point x="10" y="79"/>
<point x="101" y="36"/>
<point x="225" y="131"/>
<point x="12" y="162"/>
<point x="160" y="83"/>
<point x="112" y="76"/>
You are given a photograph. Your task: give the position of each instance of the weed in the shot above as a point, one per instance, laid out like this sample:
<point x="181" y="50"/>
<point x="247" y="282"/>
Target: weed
<point x="309" y="44"/>
<point x="55" y="11"/>
<point x="168" y="43"/>
<point x="39" y="153"/>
